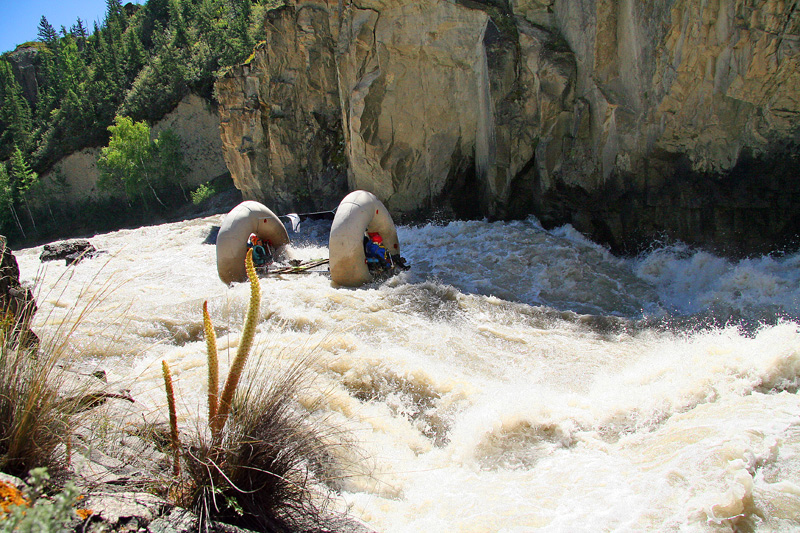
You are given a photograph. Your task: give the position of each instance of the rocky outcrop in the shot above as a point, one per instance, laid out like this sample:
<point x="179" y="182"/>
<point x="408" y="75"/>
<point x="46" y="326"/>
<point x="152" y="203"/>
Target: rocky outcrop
<point x="71" y="252"/>
<point x="280" y="115"/>
<point x="630" y="120"/>
<point x="17" y="304"/>
<point x="24" y="62"/>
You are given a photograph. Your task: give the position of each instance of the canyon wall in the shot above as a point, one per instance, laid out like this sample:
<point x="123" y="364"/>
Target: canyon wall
<point x="630" y="120"/>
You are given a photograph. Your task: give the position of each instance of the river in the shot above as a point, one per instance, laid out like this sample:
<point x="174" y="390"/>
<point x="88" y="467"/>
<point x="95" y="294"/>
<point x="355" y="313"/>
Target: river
<point x="515" y="379"/>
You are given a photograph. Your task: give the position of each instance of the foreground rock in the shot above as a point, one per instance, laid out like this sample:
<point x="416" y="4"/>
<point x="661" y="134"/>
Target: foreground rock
<point x="17" y="305"/>
<point x="119" y="473"/>
<point x="630" y="120"/>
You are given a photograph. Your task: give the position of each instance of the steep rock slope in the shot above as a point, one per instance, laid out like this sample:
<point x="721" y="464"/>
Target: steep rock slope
<point x="74" y="178"/>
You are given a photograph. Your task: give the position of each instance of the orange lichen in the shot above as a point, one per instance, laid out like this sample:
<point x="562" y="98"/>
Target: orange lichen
<point x="84" y="513"/>
<point x="10" y="496"/>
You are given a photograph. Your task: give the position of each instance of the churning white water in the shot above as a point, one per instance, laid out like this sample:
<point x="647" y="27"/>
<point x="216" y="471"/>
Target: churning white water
<point x="515" y="379"/>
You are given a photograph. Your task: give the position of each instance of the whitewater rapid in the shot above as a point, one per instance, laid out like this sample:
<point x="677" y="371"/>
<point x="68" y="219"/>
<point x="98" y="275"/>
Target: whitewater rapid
<point x="515" y="379"/>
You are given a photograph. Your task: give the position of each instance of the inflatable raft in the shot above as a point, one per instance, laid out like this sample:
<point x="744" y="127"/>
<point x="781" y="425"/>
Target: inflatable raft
<point x="246" y="218"/>
<point x="363" y="241"/>
<point x="360" y="213"/>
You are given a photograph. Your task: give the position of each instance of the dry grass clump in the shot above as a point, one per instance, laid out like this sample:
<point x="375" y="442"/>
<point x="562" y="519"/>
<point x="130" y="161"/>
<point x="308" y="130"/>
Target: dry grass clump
<point x="43" y="402"/>
<point x="34" y="417"/>
<point x="262" y="460"/>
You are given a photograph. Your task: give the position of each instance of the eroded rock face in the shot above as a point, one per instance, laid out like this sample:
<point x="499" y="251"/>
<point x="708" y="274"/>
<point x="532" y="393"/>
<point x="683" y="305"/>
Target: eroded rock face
<point x="73" y="179"/>
<point x="630" y="120"/>
<point x="280" y="116"/>
<point x="24" y="62"/>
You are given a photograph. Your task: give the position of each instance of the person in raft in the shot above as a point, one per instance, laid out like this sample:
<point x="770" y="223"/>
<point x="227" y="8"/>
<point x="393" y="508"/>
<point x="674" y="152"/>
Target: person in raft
<point x="262" y="255"/>
<point x="377" y="255"/>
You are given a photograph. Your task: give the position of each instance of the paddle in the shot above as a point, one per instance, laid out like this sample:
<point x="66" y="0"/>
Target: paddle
<point x="298" y="269"/>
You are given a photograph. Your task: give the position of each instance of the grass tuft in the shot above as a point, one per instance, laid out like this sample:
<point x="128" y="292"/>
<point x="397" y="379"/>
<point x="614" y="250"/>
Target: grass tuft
<point x="266" y="461"/>
<point x="268" y="469"/>
<point x="34" y="417"/>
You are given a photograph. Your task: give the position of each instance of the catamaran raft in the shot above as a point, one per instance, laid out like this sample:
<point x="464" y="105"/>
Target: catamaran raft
<point x="363" y="242"/>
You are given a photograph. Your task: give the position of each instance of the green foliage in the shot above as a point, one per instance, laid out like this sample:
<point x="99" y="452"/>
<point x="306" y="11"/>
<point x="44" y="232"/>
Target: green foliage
<point x="137" y="63"/>
<point x="124" y="163"/>
<point x="44" y="514"/>
<point x="202" y="193"/>
<point x="168" y="157"/>
<point x="15" y="113"/>
<point x="137" y="166"/>
<point x="47" y="34"/>
<point x="6" y="201"/>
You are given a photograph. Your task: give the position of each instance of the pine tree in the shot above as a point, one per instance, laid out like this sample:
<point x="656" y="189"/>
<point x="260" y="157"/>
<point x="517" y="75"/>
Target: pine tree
<point x="7" y="209"/>
<point x="177" y="25"/>
<point x="47" y="33"/>
<point x="242" y="25"/>
<point x="24" y="178"/>
<point x="155" y="12"/>
<point x="51" y="91"/>
<point x="78" y="31"/>
<point x="15" y="113"/>
<point x="6" y="200"/>
<point x="73" y="71"/>
<point x="135" y="56"/>
<point x="115" y="15"/>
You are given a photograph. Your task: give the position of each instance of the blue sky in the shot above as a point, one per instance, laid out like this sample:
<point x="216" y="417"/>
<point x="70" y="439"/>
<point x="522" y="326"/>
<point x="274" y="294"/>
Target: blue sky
<point x="19" y="19"/>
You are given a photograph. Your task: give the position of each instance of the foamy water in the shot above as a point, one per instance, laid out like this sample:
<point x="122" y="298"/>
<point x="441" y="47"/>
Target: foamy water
<point x="515" y="379"/>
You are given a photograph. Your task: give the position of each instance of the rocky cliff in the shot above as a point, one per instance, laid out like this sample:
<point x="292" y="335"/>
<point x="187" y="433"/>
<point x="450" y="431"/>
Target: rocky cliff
<point x="631" y="120"/>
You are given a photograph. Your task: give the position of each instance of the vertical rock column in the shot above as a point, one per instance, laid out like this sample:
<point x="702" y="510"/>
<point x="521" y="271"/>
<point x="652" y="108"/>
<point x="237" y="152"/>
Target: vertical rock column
<point x="280" y="115"/>
<point x="408" y="79"/>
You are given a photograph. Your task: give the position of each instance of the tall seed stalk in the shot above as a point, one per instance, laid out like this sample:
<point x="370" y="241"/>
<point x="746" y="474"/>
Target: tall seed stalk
<point x="173" y="419"/>
<point x="213" y="364"/>
<point x="219" y="405"/>
<point x="245" y="343"/>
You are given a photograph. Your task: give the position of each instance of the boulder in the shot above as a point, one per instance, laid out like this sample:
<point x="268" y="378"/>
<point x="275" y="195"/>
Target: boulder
<point x="71" y="251"/>
<point x="17" y="304"/>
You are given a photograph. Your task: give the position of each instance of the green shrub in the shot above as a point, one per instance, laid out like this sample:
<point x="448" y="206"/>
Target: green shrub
<point x="202" y="193"/>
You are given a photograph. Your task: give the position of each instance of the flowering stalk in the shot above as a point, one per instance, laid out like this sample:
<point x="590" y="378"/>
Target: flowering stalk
<point x="213" y="364"/>
<point x="173" y="419"/>
<point x="245" y="343"/>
